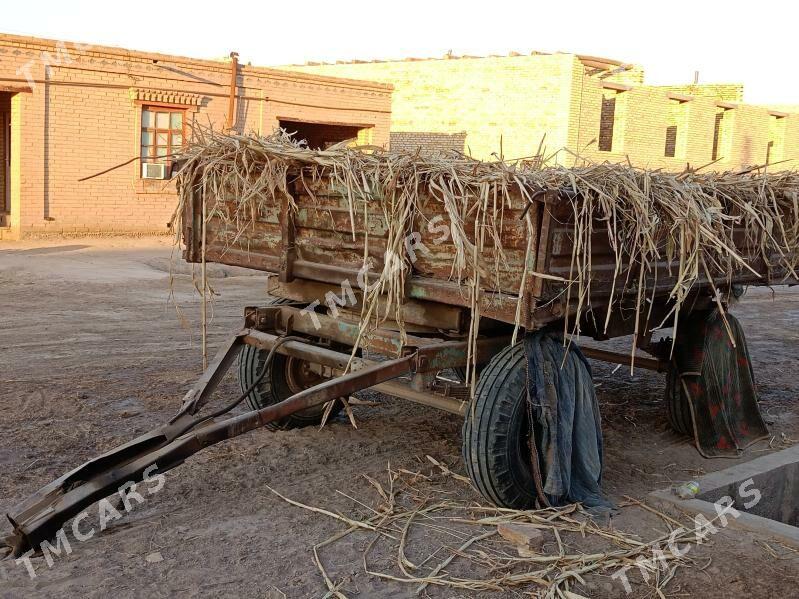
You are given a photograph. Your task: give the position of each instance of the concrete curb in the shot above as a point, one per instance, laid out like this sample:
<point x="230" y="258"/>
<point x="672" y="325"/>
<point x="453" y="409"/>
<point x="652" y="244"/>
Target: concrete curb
<point x="737" y="474"/>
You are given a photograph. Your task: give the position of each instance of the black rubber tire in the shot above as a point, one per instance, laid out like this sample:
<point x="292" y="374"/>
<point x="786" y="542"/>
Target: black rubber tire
<point x="678" y="411"/>
<point x="496" y="432"/>
<point x="275" y="387"/>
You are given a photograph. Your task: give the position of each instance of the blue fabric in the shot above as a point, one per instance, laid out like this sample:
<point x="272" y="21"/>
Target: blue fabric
<point x="568" y="425"/>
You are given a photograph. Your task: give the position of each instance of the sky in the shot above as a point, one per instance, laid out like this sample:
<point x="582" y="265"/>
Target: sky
<point x="732" y="42"/>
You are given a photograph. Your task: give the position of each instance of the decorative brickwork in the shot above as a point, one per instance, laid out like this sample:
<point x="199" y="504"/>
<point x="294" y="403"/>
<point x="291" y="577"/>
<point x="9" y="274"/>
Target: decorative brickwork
<point x="167" y="97"/>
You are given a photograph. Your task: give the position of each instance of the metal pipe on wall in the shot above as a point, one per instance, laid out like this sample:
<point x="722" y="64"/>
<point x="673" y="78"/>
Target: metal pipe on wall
<point x="234" y="72"/>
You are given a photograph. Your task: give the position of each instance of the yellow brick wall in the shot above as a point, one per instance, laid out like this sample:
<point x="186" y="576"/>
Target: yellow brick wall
<point x="522" y="98"/>
<point x="777" y="129"/>
<point x="81" y="117"/>
<point x="792" y="108"/>
<point x="506" y="103"/>
<point x="791" y="144"/>
<point x="750" y="136"/>
<point x="646" y="114"/>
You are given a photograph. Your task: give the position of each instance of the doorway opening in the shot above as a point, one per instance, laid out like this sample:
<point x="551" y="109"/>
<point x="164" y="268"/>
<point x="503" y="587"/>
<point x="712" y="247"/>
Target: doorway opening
<point x="320" y="136"/>
<point x="5" y="159"/>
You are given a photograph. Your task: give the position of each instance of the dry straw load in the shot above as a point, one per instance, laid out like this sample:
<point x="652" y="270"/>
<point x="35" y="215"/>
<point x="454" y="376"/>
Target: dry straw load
<point x="650" y="216"/>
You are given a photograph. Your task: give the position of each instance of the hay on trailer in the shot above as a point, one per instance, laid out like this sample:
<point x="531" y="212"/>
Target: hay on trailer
<point x="649" y="216"/>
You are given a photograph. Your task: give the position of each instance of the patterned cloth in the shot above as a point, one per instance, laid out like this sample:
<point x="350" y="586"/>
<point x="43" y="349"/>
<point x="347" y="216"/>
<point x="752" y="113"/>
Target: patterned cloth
<point x="717" y="384"/>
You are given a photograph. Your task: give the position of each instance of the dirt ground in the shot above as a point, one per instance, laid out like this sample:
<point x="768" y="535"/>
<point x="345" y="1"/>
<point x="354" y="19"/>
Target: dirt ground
<point x="93" y="353"/>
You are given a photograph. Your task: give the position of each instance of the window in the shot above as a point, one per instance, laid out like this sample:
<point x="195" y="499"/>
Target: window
<point x="717" y="135"/>
<point x="722" y="133"/>
<point x="607" y="121"/>
<point x="676" y="128"/>
<point x="161" y="133"/>
<point x="612" y="117"/>
<point x="671" y="141"/>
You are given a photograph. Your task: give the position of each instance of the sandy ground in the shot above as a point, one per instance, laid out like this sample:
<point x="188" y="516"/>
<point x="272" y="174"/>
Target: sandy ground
<point x="92" y="353"/>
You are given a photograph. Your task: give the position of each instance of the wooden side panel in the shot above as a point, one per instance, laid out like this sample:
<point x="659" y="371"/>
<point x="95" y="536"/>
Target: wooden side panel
<point x="321" y="232"/>
<point x="317" y="243"/>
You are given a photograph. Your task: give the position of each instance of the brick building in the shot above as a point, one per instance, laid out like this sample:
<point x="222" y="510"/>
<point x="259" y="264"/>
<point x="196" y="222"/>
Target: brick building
<point x="68" y="111"/>
<point x="596" y="108"/>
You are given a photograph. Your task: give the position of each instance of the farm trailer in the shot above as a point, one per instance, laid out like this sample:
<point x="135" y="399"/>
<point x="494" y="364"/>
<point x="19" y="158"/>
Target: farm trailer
<point x="307" y="346"/>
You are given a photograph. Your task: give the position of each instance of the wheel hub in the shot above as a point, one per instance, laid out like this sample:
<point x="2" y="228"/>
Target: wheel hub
<point x="300" y="375"/>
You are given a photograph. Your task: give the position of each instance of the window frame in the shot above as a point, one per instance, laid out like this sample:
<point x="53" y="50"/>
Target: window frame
<point x="170" y="109"/>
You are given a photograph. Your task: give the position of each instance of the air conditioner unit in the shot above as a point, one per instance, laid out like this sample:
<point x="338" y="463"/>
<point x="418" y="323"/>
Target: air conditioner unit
<point x="151" y="170"/>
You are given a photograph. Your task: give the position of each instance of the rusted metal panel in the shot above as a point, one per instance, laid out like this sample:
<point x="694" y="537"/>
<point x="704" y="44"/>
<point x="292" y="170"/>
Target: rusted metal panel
<point x="434" y="400"/>
<point x="304" y="351"/>
<point x="289" y="320"/>
<point x="624" y="359"/>
<point x="433" y="315"/>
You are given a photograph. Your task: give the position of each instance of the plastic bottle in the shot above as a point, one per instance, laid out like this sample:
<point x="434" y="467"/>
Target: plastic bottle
<point x="687" y="490"/>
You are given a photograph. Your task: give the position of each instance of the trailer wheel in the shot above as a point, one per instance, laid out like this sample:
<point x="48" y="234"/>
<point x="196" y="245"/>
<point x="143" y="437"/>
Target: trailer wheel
<point x="678" y="412"/>
<point x="286" y="376"/>
<point x="496" y="432"/>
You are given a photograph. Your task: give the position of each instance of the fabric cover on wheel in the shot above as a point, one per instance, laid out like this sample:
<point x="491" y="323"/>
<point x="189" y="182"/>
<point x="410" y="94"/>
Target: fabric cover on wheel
<point x="718" y="384"/>
<point x="567" y="425"/>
